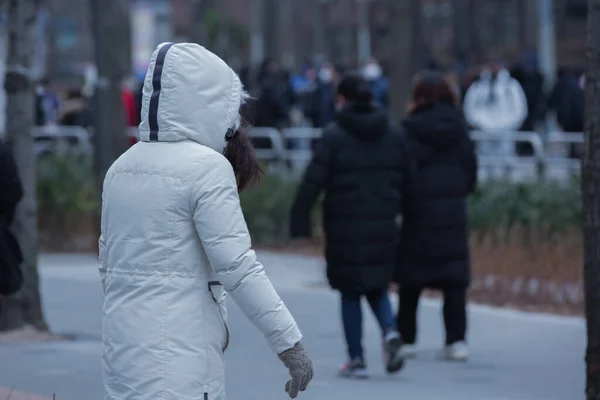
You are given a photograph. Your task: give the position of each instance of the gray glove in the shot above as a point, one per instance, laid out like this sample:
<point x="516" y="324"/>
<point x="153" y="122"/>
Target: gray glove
<point x="301" y="369"/>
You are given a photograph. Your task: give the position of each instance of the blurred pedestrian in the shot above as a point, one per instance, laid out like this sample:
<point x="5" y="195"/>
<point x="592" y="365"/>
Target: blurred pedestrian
<point x="433" y="251"/>
<point x="529" y="76"/>
<point x="272" y="106"/>
<point x="132" y="116"/>
<point x="567" y="100"/>
<point x="324" y="97"/>
<point x="380" y="86"/>
<point x="46" y="103"/>
<point x="11" y="192"/>
<point x="73" y="110"/>
<point x="174" y="242"/>
<point x="360" y="164"/>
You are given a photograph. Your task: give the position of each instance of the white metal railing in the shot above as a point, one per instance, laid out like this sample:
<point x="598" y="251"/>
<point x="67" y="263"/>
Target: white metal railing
<point x="497" y="155"/>
<point x="553" y="155"/>
<point x="269" y="146"/>
<point x="496" y="150"/>
<point x="299" y="144"/>
<point x="563" y="150"/>
<point x="51" y="138"/>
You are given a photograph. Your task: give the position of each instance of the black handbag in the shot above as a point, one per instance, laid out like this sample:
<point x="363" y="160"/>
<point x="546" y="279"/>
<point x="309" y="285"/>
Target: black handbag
<point x="11" y="258"/>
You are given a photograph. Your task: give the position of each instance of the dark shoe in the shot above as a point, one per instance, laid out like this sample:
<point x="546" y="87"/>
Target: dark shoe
<point x="355" y="369"/>
<point x="394" y="358"/>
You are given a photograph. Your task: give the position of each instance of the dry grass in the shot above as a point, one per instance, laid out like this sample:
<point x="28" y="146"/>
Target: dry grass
<point x="537" y="276"/>
<point x="78" y="234"/>
<point x="559" y="261"/>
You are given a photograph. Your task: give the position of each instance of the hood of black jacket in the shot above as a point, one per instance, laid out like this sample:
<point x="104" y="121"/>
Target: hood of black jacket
<point x="366" y="122"/>
<point x="439" y="126"/>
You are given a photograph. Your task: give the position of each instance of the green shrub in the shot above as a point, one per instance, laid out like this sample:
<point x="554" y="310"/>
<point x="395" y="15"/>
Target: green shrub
<point x="267" y="207"/>
<point x="65" y="185"/>
<point x="545" y="209"/>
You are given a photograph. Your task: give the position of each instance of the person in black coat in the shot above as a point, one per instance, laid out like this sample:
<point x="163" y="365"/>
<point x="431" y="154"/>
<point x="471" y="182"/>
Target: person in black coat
<point x="11" y="192"/>
<point x="433" y="251"/>
<point x="360" y="164"/>
<point x="272" y="106"/>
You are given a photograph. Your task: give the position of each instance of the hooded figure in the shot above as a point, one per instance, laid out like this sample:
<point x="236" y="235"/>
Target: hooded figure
<point x="361" y="165"/>
<point x="495" y="102"/>
<point x="174" y="242"/>
<point x="434" y="250"/>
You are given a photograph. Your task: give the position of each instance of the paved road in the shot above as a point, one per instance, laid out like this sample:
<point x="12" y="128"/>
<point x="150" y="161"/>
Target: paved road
<point x="515" y="356"/>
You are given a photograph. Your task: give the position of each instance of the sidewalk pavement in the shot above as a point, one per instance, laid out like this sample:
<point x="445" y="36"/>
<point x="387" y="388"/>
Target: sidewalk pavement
<point x="514" y="355"/>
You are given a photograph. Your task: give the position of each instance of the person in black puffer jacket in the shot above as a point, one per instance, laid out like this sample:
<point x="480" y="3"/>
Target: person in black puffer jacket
<point x="360" y="163"/>
<point x="433" y="250"/>
<point x="11" y="192"/>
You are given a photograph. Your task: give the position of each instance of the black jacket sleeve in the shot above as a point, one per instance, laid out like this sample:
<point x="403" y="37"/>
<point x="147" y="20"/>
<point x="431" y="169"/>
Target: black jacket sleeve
<point x="312" y="185"/>
<point x="470" y="165"/>
<point x="11" y="190"/>
<point x="409" y="172"/>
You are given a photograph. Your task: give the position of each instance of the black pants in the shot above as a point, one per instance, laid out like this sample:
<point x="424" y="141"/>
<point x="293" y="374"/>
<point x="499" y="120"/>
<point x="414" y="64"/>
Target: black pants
<point x="455" y="313"/>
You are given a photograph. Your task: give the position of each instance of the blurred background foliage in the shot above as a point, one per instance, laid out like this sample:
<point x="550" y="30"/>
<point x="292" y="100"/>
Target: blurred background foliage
<point x="543" y="211"/>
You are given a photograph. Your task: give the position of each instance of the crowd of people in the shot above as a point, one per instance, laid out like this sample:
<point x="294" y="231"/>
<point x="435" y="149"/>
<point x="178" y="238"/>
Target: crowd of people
<point x="306" y="97"/>
<point x="73" y="105"/>
<point x="495" y="96"/>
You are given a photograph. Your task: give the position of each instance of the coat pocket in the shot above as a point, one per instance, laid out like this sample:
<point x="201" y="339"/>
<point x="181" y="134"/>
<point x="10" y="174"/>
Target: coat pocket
<point x="219" y="296"/>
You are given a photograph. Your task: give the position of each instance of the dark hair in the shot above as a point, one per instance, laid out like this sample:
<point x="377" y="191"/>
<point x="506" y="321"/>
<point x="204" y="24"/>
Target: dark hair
<point x="431" y="88"/>
<point x="355" y="89"/>
<point x="240" y="153"/>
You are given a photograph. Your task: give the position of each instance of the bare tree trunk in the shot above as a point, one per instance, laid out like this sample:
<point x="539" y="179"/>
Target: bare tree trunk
<point x="462" y="27"/>
<point x="419" y="48"/>
<point x="402" y="13"/>
<point x="113" y="59"/>
<point x="52" y="61"/>
<point x="320" y="29"/>
<point x="363" y="31"/>
<point x="591" y="202"/>
<point x="198" y="28"/>
<point x="24" y="308"/>
<point x="223" y="40"/>
<point x="257" y="37"/>
<point x="269" y="28"/>
<point x="287" y="33"/>
<point x="476" y="53"/>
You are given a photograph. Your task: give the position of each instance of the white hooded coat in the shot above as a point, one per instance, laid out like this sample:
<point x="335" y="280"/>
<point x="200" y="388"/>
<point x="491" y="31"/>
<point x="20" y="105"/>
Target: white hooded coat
<point x="506" y="112"/>
<point x="174" y="240"/>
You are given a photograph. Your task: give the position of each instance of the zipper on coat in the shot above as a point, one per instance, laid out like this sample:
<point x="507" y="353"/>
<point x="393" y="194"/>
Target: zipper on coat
<point x="226" y="344"/>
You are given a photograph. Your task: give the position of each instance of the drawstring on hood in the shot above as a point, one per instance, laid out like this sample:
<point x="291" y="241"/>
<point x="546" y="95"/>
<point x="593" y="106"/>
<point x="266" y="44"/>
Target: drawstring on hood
<point x="190" y="94"/>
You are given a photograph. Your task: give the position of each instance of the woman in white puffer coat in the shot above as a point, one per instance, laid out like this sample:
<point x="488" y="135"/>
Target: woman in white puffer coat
<point x="174" y="241"/>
